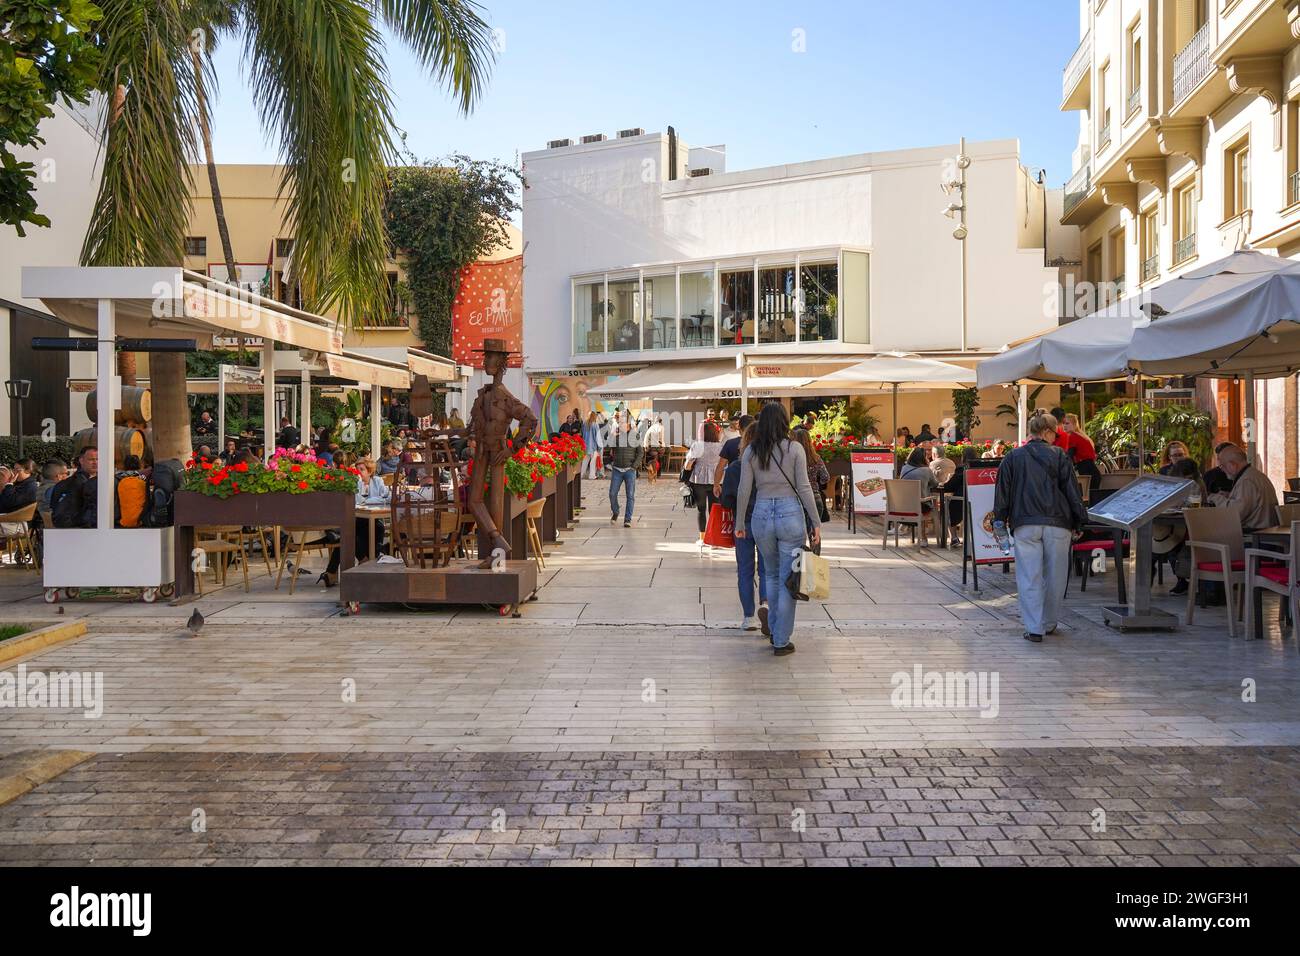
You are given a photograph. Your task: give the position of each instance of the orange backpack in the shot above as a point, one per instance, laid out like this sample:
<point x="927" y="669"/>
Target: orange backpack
<point x="132" y="496"/>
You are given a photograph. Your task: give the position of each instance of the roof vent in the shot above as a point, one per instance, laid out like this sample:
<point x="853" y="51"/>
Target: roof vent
<point x="701" y="171"/>
<point x="557" y="143"/>
<point x="628" y="133"/>
<point x="595" y="138"/>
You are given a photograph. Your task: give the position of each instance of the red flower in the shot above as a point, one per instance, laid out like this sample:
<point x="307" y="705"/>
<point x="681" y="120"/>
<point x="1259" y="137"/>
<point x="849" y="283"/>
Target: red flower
<point x="214" y="480"/>
<point x="302" y="485"/>
<point x="296" y="468"/>
<point x="242" y="466"/>
<point x="207" y="466"/>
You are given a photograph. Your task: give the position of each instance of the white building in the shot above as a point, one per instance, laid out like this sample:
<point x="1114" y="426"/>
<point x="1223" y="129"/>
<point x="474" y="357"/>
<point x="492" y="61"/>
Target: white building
<point x="67" y="181"/>
<point x="642" y="250"/>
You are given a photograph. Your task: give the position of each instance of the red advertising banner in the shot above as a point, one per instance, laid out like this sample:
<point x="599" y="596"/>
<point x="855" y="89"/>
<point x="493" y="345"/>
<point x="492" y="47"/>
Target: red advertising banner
<point x="870" y="469"/>
<point x="489" y="305"/>
<point x="980" y="483"/>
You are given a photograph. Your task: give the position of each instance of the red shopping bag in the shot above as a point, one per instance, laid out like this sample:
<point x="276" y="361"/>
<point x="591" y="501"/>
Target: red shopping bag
<point x="600" y="466"/>
<point x="720" y="532"/>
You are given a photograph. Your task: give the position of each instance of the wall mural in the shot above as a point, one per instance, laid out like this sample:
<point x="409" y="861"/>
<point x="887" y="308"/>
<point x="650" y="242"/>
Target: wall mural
<point x="553" y="398"/>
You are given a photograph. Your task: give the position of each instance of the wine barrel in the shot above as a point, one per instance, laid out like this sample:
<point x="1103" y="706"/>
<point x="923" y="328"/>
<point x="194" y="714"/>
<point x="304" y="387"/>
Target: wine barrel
<point x="126" y="441"/>
<point x="137" y="406"/>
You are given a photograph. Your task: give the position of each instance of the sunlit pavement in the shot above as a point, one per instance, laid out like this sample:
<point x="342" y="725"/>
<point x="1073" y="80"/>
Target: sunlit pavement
<point x="630" y="674"/>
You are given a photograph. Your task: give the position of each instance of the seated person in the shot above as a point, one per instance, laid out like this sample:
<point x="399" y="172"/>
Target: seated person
<point x="52" y="472"/>
<point x="1168" y="536"/>
<point x="1252" y="491"/>
<point x="387" y="465"/>
<point x="918" y="469"/>
<point x="1080" y="449"/>
<point x="75" y="500"/>
<point x="1216" y="479"/>
<point x="371" y="492"/>
<point x="20" y="487"/>
<point x="228" y="456"/>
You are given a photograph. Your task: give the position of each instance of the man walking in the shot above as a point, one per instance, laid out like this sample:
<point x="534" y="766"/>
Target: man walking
<point x="1037" y="498"/>
<point x="624" y="453"/>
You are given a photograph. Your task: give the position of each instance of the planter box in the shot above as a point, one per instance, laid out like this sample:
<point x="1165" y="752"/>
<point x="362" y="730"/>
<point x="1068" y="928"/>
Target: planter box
<point x="315" y="509"/>
<point x="114" y="558"/>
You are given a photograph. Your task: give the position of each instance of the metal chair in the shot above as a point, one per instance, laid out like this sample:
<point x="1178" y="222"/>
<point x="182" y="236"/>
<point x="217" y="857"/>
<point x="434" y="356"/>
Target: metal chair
<point x="298" y="547"/>
<point x="1276" y="572"/>
<point x="531" y="516"/>
<point x="223" y="540"/>
<point x="903" y="507"/>
<point x="1218" y="554"/>
<point x="17" y="539"/>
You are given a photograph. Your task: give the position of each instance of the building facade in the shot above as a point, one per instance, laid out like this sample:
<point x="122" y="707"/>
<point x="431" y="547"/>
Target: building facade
<point x="643" y="251"/>
<point x="1188" y="150"/>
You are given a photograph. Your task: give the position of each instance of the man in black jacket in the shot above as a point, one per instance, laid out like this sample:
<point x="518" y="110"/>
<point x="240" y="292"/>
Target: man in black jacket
<point x="75" y="500"/>
<point x="625" y="455"/>
<point x="1037" y="496"/>
<point x="22" y="487"/>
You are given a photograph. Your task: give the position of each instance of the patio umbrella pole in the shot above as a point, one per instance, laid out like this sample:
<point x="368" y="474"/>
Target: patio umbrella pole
<point x="894" y="443"/>
<point x="1142" y="424"/>
<point x="1249" y="381"/>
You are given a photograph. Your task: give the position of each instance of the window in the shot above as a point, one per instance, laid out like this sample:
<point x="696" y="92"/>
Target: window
<point x="624" y="314"/>
<point x="196" y="245"/>
<point x="736" y="288"/>
<point x="1134" y="68"/>
<point x="819" y="285"/>
<point x="776" y="304"/>
<point x="1184" y="209"/>
<point x="589" y="313"/>
<point x="1236" y="180"/>
<point x="1292" y="145"/>
<point x="283" y="247"/>
<point x="1149" y="236"/>
<point x="1103" y="107"/>
<point x="660" y="312"/>
<point x="697" y="309"/>
<point x="1115" y="241"/>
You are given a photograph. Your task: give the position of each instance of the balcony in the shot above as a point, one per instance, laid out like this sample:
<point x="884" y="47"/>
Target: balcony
<point x="1151" y="267"/>
<point x="1192" y="64"/>
<point x="1293" y="189"/>
<point x="1103" y="133"/>
<point x="1077" y="189"/>
<point x="1134" y="102"/>
<point x="1184" y="249"/>
<point x="1076" y="90"/>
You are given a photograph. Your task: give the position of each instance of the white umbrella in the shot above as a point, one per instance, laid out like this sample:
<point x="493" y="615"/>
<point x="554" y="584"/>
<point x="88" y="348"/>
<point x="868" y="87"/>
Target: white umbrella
<point x="895" y="371"/>
<point x="1098" y="346"/>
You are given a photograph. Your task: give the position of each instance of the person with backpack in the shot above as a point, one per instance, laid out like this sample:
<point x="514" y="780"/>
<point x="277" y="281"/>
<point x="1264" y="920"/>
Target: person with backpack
<point x="132" y="490"/>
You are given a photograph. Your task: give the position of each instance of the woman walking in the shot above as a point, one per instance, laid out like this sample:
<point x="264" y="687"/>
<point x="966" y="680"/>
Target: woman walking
<point x="702" y="459"/>
<point x="819" y="476"/>
<point x="774" y="471"/>
<point x="1037" y="499"/>
<point x="591" y="439"/>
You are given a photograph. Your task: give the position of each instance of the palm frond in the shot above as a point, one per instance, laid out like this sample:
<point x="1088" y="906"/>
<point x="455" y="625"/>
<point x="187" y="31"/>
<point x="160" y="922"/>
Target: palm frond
<point x="320" y="87"/>
<point x="150" y="119"/>
<point x="450" y="38"/>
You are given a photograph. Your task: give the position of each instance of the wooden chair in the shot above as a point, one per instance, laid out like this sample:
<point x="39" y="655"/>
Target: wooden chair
<point x="1217" y="554"/>
<point x="1085" y="486"/>
<point x="426" y="531"/>
<point x="531" y="516"/>
<point x="903" y="507"/>
<point x="1276" y="572"/>
<point x="468" y="535"/>
<point x="18" y="541"/>
<point x="676" y="460"/>
<point x="299" y="545"/>
<point x="225" y="541"/>
<point x="388" y="478"/>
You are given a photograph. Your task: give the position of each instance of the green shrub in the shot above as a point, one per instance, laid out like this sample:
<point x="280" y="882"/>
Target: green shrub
<point x="35" y="448"/>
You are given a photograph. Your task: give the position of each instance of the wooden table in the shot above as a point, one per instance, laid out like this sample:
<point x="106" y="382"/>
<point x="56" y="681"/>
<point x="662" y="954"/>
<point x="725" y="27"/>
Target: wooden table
<point x="372" y="514"/>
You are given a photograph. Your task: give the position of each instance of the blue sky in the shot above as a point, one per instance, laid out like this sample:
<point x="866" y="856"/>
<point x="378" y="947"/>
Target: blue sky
<point x="875" y="74"/>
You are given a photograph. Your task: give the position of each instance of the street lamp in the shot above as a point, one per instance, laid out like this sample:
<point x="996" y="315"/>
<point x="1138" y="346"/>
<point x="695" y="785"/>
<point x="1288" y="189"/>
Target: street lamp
<point x="18" y="389"/>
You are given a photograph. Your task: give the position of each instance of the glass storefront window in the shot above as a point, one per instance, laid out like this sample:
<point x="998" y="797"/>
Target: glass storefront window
<point x="660" y="329"/>
<point x="625" y="315"/>
<point x="697" y="309"/>
<point x="776" y="301"/>
<point x="589" y="317"/>
<point x="819" y="284"/>
<point x="736" y="291"/>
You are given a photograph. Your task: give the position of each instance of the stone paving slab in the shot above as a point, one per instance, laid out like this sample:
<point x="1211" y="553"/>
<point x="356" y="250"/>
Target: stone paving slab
<point x="850" y="807"/>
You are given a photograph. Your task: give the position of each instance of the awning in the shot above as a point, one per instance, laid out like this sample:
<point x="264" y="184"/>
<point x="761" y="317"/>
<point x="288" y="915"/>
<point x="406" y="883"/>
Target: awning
<point x="889" y="370"/>
<point x="169" y="303"/>
<point x="193" y="386"/>
<point x="435" y="368"/>
<point x="368" y="370"/>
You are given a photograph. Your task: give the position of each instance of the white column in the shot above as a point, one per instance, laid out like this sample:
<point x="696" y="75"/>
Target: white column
<point x="305" y="407"/>
<point x="744" y="386"/>
<point x="1251" y="423"/>
<point x="268" y="398"/>
<point x="293" y="403"/>
<point x="108" y="397"/>
<point x="1022" y="412"/>
<point x="376" y="394"/>
<point x="221" y="409"/>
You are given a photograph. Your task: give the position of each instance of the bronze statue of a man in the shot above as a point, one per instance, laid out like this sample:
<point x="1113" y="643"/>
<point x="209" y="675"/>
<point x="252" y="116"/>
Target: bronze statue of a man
<point x="489" y="428"/>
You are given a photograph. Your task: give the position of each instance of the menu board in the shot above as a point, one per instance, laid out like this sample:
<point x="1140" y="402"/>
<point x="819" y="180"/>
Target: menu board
<point x="1141" y="499"/>
<point x="980" y="482"/>
<point x="870" y="470"/>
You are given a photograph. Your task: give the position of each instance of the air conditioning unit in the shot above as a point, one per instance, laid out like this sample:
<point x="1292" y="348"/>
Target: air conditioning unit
<point x="558" y="143"/>
<point x="701" y="171"/>
<point x="627" y="133"/>
<point x="595" y="138"/>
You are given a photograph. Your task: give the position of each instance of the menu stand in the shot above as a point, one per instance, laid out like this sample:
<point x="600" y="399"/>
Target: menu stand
<point x="1134" y="508"/>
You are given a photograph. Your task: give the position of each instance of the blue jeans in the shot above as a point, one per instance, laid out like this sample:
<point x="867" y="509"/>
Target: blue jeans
<point x="778" y="530"/>
<point x="746" y="553"/>
<point x="622" y="477"/>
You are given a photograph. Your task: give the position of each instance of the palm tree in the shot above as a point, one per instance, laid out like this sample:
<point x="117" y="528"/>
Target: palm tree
<point x="320" y="87"/>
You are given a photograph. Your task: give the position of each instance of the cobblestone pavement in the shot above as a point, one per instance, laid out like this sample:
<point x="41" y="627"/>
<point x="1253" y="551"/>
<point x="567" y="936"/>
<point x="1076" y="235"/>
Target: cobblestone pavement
<point x="1041" y="807"/>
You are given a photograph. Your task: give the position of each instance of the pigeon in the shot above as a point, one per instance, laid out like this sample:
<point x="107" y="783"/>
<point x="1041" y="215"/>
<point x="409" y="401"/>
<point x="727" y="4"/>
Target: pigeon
<point x="195" y="623"/>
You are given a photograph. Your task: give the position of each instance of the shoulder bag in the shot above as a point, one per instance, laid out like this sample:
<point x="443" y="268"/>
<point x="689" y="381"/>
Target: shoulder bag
<point x="810" y="577"/>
